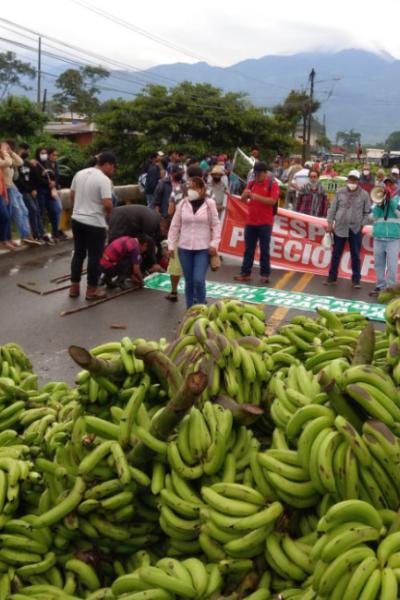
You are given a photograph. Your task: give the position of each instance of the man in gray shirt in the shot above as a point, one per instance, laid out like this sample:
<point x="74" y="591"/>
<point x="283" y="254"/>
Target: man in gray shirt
<point x="347" y="215"/>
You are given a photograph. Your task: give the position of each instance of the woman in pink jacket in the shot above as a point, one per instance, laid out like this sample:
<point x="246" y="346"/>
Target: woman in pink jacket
<point x="195" y="234"/>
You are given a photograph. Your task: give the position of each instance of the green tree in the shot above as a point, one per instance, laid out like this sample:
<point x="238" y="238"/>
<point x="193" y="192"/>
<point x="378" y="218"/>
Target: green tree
<point x="79" y="90"/>
<point x="393" y="141"/>
<point x="349" y="139"/>
<point x="198" y="119"/>
<point x="12" y="72"/>
<point x="20" y="117"/>
<point x="297" y="106"/>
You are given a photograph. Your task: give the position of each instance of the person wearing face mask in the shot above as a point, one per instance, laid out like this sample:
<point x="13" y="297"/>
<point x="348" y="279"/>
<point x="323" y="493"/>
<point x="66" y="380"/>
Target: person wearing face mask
<point x="195" y="234"/>
<point x="312" y="198"/>
<point x="45" y="182"/>
<point x="18" y="211"/>
<point x="26" y="185"/>
<point x="386" y="235"/>
<point x="367" y="179"/>
<point x="347" y="215"/>
<point x="217" y="183"/>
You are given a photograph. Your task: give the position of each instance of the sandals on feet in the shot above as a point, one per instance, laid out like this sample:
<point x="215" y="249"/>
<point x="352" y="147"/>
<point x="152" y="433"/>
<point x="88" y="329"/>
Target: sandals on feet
<point x="172" y="297"/>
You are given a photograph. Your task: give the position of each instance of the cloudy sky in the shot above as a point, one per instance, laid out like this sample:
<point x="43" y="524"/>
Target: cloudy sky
<point x="141" y="34"/>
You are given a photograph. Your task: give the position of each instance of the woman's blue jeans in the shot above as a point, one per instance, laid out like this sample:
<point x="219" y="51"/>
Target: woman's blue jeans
<point x="194" y="266"/>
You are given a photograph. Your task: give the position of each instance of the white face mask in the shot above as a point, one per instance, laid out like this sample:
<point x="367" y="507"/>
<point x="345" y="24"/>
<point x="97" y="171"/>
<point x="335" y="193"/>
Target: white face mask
<point x="193" y="195"/>
<point x="366" y="172"/>
<point x="352" y="186"/>
<point x="44" y="157"/>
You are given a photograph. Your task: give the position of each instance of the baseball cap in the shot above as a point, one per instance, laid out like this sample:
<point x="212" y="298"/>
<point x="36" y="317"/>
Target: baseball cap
<point x="354" y="173"/>
<point x="260" y="166"/>
<point x="395" y="171"/>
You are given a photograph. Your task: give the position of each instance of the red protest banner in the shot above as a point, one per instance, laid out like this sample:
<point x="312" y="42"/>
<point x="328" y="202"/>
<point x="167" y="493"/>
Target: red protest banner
<point x="295" y="243"/>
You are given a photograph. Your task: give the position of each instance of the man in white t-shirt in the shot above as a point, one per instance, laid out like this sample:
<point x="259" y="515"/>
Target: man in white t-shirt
<point x="91" y="197"/>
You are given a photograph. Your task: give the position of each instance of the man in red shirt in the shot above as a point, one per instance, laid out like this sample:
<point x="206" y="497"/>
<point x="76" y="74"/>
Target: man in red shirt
<point x="261" y="196"/>
<point x="122" y="258"/>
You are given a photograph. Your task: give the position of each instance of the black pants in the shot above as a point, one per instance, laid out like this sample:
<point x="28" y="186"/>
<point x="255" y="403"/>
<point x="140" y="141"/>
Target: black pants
<point x="355" y="240"/>
<point x="88" y="241"/>
<point x="123" y="268"/>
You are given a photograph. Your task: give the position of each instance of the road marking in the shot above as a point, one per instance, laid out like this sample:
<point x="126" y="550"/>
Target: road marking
<point x="280" y="313"/>
<point x="282" y="281"/>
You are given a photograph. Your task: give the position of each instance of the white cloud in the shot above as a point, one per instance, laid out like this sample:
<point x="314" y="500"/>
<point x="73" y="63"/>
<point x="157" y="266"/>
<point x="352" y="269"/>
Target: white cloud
<point x="221" y="33"/>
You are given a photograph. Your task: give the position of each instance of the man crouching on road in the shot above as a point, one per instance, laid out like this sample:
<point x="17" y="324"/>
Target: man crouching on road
<point x="347" y="215"/>
<point x="121" y="259"/>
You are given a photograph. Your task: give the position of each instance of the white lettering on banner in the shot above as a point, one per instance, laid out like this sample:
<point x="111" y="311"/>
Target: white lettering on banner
<point x="280" y="225"/>
<point x="297" y="228"/>
<point x="306" y="254"/>
<point x="237" y="236"/>
<point x="276" y="249"/>
<point x="367" y="264"/>
<point x="287" y="251"/>
<point x="315" y="231"/>
<point x="321" y="257"/>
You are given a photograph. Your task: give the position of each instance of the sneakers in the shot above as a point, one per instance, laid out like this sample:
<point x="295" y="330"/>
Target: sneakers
<point x="356" y="285"/>
<point x="242" y="277"/>
<point x="330" y="281"/>
<point x="47" y="240"/>
<point x="264" y="279"/>
<point x="61" y="236"/>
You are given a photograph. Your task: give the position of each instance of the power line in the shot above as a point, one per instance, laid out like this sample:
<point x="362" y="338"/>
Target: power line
<point x="138" y="30"/>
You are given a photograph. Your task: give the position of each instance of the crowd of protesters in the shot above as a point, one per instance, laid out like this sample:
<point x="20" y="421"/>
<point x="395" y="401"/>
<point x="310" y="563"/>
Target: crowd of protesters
<point x="179" y="228"/>
<point x="29" y="196"/>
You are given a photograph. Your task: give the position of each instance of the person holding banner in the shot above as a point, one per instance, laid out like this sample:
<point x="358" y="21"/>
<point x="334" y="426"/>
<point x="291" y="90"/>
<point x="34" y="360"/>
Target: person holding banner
<point x="386" y="234"/>
<point x="261" y="196"/>
<point x="347" y="215"/>
<point x="312" y="198"/>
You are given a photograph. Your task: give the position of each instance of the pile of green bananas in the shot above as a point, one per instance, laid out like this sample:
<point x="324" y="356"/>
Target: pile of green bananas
<point x="282" y="481"/>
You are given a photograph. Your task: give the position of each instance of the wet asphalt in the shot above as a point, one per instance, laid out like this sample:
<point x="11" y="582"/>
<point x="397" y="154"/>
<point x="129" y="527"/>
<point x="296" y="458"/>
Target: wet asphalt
<point x="34" y="320"/>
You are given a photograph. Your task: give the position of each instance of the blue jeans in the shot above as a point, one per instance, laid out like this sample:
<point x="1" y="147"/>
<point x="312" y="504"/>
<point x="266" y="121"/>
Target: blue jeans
<point x="252" y="235"/>
<point x="150" y="200"/>
<point x="386" y="256"/>
<point x="5" y="234"/>
<point x="194" y="266"/>
<point x="19" y="212"/>
<point x="35" y="218"/>
<point x="52" y="207"/>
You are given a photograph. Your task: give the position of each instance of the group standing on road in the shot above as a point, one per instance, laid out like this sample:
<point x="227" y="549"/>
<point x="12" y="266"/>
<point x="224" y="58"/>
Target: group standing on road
<point x="179" y="229"/>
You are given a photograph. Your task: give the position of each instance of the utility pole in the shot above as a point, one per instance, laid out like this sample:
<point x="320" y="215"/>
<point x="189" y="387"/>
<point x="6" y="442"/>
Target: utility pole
<point x="44" y="100"/>
<point x="311" y="78"/>
<point x="39" y="73"/>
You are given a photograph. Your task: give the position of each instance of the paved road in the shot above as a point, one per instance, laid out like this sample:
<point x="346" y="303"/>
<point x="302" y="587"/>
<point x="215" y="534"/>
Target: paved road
<point x="34" y="321"/>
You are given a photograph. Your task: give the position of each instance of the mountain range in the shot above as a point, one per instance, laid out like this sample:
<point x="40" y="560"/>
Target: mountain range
<point x="357" y="89"/>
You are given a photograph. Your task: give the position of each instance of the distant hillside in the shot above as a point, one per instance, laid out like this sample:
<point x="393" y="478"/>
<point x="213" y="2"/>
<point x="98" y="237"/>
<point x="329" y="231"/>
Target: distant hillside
<point x="365" y="96"/>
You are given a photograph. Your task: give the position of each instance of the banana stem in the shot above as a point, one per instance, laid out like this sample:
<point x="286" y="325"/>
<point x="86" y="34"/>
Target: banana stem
<point x="162" y="367"/>
<point x="97" y="366"/>
<point x="163" y="425"/>
<point x="365" y="347"/>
